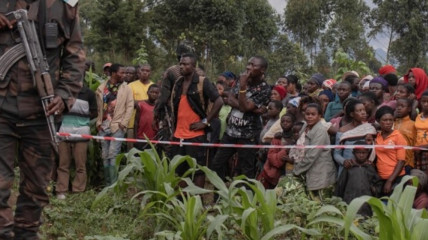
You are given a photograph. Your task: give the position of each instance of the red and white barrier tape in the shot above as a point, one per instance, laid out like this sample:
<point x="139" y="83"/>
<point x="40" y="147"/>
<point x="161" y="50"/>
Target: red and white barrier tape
<point x="84" y="136"/>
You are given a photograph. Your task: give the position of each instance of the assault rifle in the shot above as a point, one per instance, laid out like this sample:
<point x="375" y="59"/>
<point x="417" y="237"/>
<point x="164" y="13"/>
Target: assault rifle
<point x="31" y="48"/>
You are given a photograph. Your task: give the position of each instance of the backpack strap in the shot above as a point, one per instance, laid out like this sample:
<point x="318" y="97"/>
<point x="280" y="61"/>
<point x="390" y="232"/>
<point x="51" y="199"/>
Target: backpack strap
<point x="201" y="91"/>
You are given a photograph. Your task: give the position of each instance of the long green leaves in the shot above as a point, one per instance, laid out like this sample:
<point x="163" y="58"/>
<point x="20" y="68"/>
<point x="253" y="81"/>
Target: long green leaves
<point x="397" y="219"/>
<point x="247" y="209"/>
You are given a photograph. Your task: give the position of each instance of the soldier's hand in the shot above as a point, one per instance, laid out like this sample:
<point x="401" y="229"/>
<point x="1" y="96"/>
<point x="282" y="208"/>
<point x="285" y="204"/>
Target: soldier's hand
<point x="5" y="23"/>
<point x="56" y="106"/>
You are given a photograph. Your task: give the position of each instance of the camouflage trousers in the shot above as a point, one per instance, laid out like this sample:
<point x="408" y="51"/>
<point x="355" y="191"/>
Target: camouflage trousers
<point x="31" y="147"/>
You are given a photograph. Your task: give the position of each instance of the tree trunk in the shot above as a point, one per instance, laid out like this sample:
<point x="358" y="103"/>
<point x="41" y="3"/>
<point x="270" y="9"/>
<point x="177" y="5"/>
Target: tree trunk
<point x="389" y="46"/>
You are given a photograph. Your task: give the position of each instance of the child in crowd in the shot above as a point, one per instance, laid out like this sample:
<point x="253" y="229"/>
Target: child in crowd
<point x="334" y="109"/>
<point x="274" y="165"/>
<point x="407" y="91"/>
<point x="360" y="179"/>
<point x="225" y="109"/>
<point x="144" y="117"/>
<point x="421" y="124"/>
<point x="295" y="153"/>
<point x="406" y="126"/>
<point x="390" y="162"/>
<point x="317" y="164"/>
<point x="274" y="108"/>
<point x="325" y="97"/>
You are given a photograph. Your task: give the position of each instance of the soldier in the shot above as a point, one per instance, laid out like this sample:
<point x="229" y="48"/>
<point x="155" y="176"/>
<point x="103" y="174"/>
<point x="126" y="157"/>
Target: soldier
<point x="23" y="126"/>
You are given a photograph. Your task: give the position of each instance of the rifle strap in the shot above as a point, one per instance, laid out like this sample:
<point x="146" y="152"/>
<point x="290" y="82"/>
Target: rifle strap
<point x="201" y="92"/>
<point x="37" y="12"/>
<point x="43" y="19"/>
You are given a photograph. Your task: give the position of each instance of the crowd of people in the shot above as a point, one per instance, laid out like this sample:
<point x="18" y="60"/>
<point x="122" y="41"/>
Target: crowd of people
<point x="187" y="107"/>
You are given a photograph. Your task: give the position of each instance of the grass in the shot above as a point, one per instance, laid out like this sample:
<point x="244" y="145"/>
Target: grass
<point x="74" y="218"/>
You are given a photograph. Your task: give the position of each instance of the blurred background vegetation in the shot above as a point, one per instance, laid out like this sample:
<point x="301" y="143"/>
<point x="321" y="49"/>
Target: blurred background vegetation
<point x="304" y="39"/>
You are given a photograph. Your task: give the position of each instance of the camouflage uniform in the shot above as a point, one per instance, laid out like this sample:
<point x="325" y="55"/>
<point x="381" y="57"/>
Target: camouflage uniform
<point x="23" y="126"/>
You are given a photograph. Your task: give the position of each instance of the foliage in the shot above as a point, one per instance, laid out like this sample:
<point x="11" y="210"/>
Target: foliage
<point x="94" y="161"/>
<point x="306" y="20"/>
<point x="405" y="23"/>
<point x="74" y="218"/>
<point x="116" y="27"/>
<point x="344" y="64"/>
<point x="346" y="30"/>
<point x="153" y="176"/>
<point x="92" y="80"/>
<point x="190" y="220"/>
<point x="141" y="55"/>
<point x="148" y="199"/>
<point x="397" y="219"/>
<point x="322" y="63"/>
<point x="286" y="58"/>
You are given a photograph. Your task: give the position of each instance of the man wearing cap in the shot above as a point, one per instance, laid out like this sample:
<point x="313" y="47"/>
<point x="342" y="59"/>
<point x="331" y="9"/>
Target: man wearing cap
<point x="115" y="106"/>
<point x="314" y="84"/>
<point x="106" y="70"/>
<point x="24" y="132"/>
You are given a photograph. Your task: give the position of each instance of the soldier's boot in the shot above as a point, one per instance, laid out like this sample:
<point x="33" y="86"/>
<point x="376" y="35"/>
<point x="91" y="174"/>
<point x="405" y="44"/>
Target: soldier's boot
<point x="25" y="234"/>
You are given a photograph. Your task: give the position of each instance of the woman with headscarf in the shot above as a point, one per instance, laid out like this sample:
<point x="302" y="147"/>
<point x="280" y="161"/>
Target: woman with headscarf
<point x="314" y="84"/>
<point x="278" y="93"/>
<point x="418" y="79"/>
<point x="325" y="97"/>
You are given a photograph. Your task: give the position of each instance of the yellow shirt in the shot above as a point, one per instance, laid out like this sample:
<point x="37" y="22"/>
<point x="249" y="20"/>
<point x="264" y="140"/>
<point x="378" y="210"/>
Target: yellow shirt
<point x="421" y="125"/>
<point x="139" y="92"/>
<point x="407" y="128"/>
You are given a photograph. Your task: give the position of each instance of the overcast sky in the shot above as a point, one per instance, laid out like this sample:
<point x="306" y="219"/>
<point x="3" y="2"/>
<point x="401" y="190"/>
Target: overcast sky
<point x="380" y="41"/>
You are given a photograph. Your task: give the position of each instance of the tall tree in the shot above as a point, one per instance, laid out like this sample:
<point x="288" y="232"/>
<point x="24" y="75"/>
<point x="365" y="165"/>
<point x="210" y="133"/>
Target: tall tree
<point x="116" y="27"/>
<point x="384" y="20"/>
<point x="406" y="21"/>
<point x="286" y="58"/>
<point x="219" y="28"/>
<point x="306" y="20"/>
<point x="346" y="30"/>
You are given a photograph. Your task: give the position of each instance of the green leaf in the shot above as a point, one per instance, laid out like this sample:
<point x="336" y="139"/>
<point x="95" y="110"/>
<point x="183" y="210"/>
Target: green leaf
<point x="353" y="208"/>
<point x="285" y="228"/>
<point x="328" y="209"/>
<point x="215" y="224"/>
<point x="193" y="189"/>
<point x="420" y="230"/>
<point x="358" y="233"/>
<point x="216" y="181"/>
